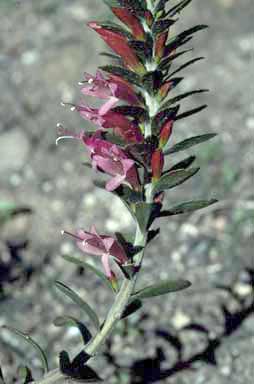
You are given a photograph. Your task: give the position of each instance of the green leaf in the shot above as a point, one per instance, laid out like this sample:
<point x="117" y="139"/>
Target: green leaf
<point x="187" y="207"/>
<point x="69" y="321"/>
<point x="178" y="8"/>
<point x="164" y="287"/>
<point x="132" y="111"/>
<point x="145" y="214"/>
<point x="1" y="377"/>
<point x="162" y="25"/>
<point x="176" y="99"/>
<point x="160" y="6"/>
<point x="190" y="112"/>
<point x="128" y="195"/>
<point x="114" y="27"/>
<point x="142" y="49"/>
<point x="77" y="370"/>
<point x="163" y="116"/>
<point x="190" y="142"/>
<point x="185" y="65"/>
<point x="112" y="3"/>
<point x="174" y="178"/>
<point x="131" y="308"/>
<point x="166" y="63"/>
<point x="33" y="343"/>
<point x="85" y="265"/>
<point x="80" y="302"/>
<point x="25" y="375"/>
<point x="111" y="56"/>
<point x="183" y="164"/>
<point x="127" y="75"/>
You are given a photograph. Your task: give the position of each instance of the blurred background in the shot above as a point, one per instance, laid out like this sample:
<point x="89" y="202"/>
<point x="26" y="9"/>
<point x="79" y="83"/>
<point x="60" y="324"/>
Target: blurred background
<point x="202" y="335"/>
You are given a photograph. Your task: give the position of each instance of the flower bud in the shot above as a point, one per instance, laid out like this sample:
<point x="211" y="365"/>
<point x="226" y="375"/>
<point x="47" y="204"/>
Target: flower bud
<point x="160" y="44"/>
<point x="165" y="133"/>
<point x="157" y="164"/>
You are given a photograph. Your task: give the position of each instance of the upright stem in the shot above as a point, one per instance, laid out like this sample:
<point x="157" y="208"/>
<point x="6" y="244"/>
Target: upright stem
<point x="114" y="315"/>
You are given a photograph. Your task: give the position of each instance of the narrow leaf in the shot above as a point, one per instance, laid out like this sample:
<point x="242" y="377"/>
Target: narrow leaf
<point x="178" y="8"/>
<point x="1" y="376"/>
<point x="69" y="321"/>
<point x="173" y="179"/>
<point x="83" y="264"/>
<point x="185" y="65"/>
<point x="25" y="375"/>
<point x="164" y="287"/>
<point x="131" y="308"/>
<point x="145" y="214"/>
<point x="176" y="99"/>
<point x="130" y="76"/>
<point x="33" y="343"/>
<point x="80" y="302"/>
<point x="190" y="142"/>
<point x="184" y="164"/>
<point x="162" y="25"/>
<point x="187" y="207"/>
<point x="190" y="112"/>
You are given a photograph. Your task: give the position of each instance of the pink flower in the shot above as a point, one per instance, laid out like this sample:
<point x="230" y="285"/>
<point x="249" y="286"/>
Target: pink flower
<point x="100" y="245"/>
<point x="112" y="160"/>
<point x="113" y="89"/>
<point x="120" y="124"/>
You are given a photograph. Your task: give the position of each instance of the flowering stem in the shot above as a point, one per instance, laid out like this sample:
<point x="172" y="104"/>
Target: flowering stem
<point x="114" y="315"/>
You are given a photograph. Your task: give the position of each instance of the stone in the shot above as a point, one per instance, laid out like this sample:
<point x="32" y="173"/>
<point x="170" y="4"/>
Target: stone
<point x="14" y="149"/>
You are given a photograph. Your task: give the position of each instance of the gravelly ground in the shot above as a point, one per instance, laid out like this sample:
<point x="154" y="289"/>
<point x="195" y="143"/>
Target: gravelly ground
<point x="44" y="49"/>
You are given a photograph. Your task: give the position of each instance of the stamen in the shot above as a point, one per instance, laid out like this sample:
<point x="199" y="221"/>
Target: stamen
<point x="63" y="232"/>
<point x="64" y="137"/>
<point x="73" y="106"/>
<point x="90" y="81"/>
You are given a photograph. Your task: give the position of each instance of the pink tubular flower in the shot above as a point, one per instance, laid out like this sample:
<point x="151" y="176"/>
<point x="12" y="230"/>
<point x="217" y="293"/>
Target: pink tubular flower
<point x="120" y="124"/>
<point x="113" y="89"/>
<point x="100" y="245"/>
<point x="112" y="160"/>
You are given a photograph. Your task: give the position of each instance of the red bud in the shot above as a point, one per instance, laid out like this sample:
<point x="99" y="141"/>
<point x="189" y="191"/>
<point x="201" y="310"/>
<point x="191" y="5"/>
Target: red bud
<point x="165" y="133"/>
<point x="160" y="44"/>
<point x="119" y="44"/>
<point x="131" y="21"/>
<point x="157" y="164"/>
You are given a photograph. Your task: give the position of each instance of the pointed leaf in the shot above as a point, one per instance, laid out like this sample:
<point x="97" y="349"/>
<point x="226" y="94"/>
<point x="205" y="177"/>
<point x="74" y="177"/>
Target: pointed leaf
<point x="162" y="25"/>
<point x="190" y="142"/>
<point x="126" y="74"/>
<point x="191" y="112"/>
<point x="132" y="111"/>
<point x="85" y="265"/>
<point x="112" y="3"/>
<point x="187" y="207"/>
<point x="145" y="214"/>
<point x="69" y="321"/>
<point x="164" y="287"/>
<point x="174" y="178"/>
<point x="184" y="164"/>
<point x="178" y="7"/>
<point x="131" y="308"/>
<point x="114" y="27"/>
<point x="80" y="302"/>
<point x="166" y="62"/>
<point x="185" y="65"/>
<point x="33" y="343"/>
<point x="1" y="376"/>
<point x="152" y="234"/>
<point x="176" y="99"/>
<point x="25" y="375"/>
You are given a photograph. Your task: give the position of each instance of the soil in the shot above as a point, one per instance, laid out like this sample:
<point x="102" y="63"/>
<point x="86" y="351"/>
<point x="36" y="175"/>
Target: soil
<point x="201" y="335"/>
